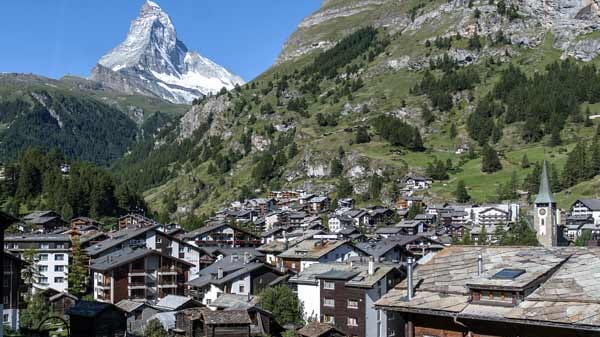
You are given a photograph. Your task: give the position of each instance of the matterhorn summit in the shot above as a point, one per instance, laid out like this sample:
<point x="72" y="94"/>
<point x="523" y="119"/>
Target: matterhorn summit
<point x="153" y="62"/>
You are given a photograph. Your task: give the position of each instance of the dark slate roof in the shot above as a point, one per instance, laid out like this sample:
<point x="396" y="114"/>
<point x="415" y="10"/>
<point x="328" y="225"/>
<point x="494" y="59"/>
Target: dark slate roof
<point x="118" y="238"/>
<point x="206" y="229"/>
<point x="232" y="269"/>
<point x="89" y="309"/>
<point x="389" y="230"/>
<point x="592" y="204"/>
<point x="334" y="274"/>
<point x="227" y="317"/>
<point x="39" y="237"/>
<point x="125" y="256"/>
<point x="316" y="329"/>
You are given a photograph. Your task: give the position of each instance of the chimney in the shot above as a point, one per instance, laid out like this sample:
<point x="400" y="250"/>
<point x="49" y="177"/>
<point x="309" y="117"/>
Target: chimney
<point x="410" y="278"/>
<point x="286" y="244"/>
<point x="371" y="266"/>
<point x="246" y="258"/>
<point x="479" y="265"/>
<point x="219" y="273"/>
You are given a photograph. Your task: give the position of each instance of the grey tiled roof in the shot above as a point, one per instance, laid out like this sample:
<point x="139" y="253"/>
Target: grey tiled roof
<point x="569" y="297"/>
<point x="118" y="238"/>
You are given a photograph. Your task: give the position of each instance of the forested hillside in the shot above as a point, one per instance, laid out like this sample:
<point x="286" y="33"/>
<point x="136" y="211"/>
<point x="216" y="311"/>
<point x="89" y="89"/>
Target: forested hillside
<point x="366" y="92"/>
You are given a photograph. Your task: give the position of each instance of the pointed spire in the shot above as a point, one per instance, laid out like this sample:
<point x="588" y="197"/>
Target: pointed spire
<point x="545" y="195"/>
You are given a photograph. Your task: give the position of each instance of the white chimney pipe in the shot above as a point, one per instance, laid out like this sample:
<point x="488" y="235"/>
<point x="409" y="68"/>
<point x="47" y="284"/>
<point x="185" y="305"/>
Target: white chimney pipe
<point x="219" y="273"/>
<point x="246" y="258"/>
<point x="479" y="265"/>
<point x="371" y="266"/>
<point x="410" y="278"/>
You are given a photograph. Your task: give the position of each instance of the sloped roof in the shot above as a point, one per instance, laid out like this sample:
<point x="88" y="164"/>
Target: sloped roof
<point x="568" y="295"/>
<point x="88" y="309"/>
<point x="173" y="302"/>
<point x="317" y="329"/>
<point x="545" y="194"/>
<point x="129" y="305"/>
<point x="592" y="204"/>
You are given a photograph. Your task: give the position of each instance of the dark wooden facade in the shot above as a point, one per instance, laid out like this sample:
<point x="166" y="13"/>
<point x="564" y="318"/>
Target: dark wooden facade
<point x="422" y="325"/>
<point x="97" y="321"/>
<point x="341" y="312"/>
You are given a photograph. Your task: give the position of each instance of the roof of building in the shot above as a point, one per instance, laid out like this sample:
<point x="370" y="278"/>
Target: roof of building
<point x="173" y="302"/>
<point x="389" y="230"/>
<point x="226" y="317"/>
<point x="233" y="301"/>
<point x="356" y="273"/>
<point x="313" y="248"/>
<point x="127" y="255"/>
<point x="317" y="329"/>
<point x="563" y="281"/>
<point x="129" y="305"/>
<point x="232" y="270"/>
<point x="118" y="238"/>
<point x="39" y="238"/>
<point x="206" y="229"/>
<point x="88" y="309"/>
<point x="592" y="204"/>
<point x="545" y="194"/>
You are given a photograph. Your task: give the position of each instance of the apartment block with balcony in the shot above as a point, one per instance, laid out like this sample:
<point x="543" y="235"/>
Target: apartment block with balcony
<point x="138" y="274"/>
<point x="52" y="255"/>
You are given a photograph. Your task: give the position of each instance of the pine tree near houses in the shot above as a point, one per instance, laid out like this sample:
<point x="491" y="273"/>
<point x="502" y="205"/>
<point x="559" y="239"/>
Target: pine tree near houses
<point x="77" y="275"/>
<point x="490" y="162"/>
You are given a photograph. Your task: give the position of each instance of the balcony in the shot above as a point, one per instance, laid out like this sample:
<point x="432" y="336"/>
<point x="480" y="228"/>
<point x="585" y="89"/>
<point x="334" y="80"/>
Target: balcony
<point x="137" y="285"/>
<point x="167" y="271"/>
<point x="138" y="272"/>
<point x="167" y="285"/>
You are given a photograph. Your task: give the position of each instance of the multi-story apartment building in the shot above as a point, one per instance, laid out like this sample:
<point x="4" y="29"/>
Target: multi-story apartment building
<point x="52" y="254"/>
<point x="152" y="238"/>
<point x="342" y="294"/>
<point x="138" y="274"/>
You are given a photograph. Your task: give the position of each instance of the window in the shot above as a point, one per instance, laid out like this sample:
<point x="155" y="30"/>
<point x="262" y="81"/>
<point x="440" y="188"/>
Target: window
<point x="242" y="289"/>
<point x="182" y="249"/>
<point x="328" y="319"/>
<point x="329" y="302"/>
<point x="208" y="301"/>
<point x="42" y="269"/>
<point x="44" y="245"/>
<point x="59" y="257"/>
<point x="352" y="304"/>
<point x="352" y="321"/>
<point x="5" y="318"/>
<point x="43" y="280"/>
<point x="43" y="257"/>
<point x="60" y="246"/>
<point x="59" y="280"/>
<point x="329" y="285"/>
<point x="59" y="268"/>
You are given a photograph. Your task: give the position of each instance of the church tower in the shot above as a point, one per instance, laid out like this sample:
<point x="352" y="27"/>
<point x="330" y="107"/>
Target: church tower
<point x="545" y="213"/>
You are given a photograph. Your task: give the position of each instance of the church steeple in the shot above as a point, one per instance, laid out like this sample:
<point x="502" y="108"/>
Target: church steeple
<point x="545" y="194"/>
<point x="545" y="213"/>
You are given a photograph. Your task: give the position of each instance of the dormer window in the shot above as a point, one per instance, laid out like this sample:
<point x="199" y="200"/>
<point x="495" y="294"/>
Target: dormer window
<point x="508" y="274"/>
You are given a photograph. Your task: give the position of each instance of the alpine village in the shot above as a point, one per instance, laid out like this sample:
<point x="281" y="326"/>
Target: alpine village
<point x="405" y="168"/>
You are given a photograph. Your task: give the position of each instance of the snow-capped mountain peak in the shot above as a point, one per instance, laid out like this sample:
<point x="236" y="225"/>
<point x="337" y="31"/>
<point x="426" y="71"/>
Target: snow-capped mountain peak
<point x="152" y="61"/>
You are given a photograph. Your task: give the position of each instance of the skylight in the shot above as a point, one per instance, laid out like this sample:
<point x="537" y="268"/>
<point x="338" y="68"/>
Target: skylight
<point x="508" y="274"/>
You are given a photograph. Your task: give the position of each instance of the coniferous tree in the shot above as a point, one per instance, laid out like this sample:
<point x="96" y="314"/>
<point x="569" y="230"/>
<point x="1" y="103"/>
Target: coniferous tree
<point x="362" y="136"/>
<point x="453" y="132"/>
<point x="344" y="188"/>
<point x="595" y="158"/>
<point x="77" y="274"/>
<point x="525" y="162"/>
<point x="490" y="162"/>
<point x="461" y="194"/>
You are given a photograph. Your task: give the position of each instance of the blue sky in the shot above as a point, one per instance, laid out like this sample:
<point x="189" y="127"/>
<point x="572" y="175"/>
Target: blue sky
<point x="57" y="37"/>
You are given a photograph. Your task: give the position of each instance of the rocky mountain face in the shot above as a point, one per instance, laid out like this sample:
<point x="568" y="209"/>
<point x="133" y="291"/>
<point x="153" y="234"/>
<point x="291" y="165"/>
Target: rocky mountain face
<point x="566" y="19"/>
<point x="153" y="62"/>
